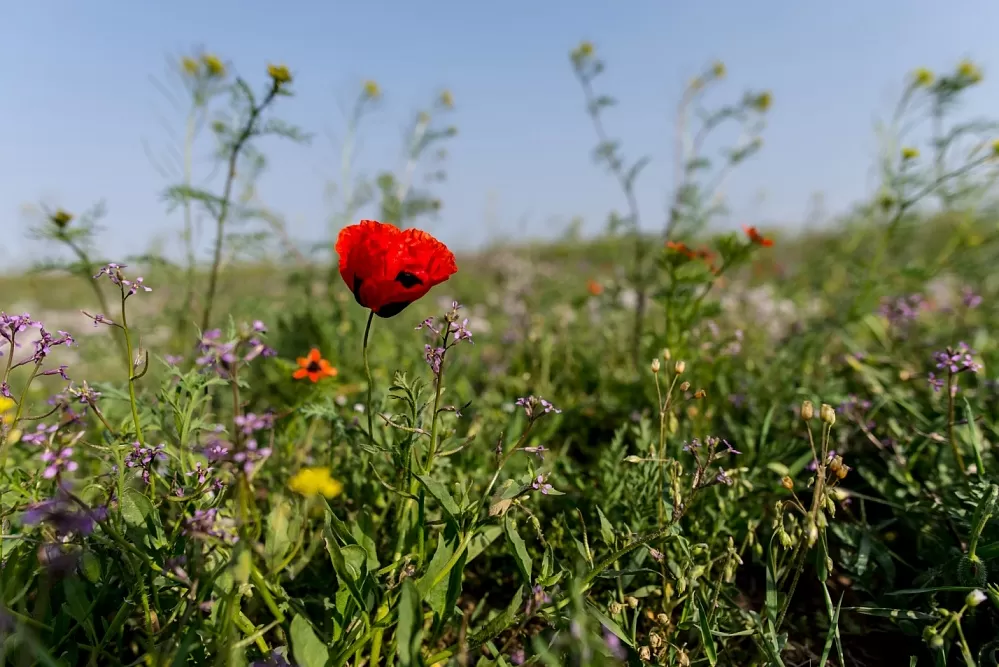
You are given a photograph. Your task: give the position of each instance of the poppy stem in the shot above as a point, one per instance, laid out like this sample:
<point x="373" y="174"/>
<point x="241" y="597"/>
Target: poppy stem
<point x="367" y="373"/>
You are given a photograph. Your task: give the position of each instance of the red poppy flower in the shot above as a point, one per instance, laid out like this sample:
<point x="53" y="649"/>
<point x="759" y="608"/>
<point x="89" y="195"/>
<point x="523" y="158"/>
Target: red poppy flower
<point x="313" y="367"/>
<point x="388" y="268"/>
<point x="594" y="288"/>
<point x="756" y="237"/>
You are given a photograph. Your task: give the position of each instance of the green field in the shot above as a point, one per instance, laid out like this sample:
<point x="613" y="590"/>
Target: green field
<point x="758" y="447"/>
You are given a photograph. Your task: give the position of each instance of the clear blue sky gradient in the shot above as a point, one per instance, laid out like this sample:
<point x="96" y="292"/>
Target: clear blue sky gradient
<point x="77" y="100"/>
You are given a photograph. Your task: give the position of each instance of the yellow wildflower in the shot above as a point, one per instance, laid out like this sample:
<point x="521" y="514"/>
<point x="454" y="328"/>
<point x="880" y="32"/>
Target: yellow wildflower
<point x="371" y="89"/>
<point x="922" y="77"/>
<point x="315" y="481"/>
<point x="718" y="69"/>
<point x="190" y="66"/>
<point x="279" y="73"/>
<point x="969" y="70"/>
<point x="763" y="101"/>
<point x="447" y="100"/>
<point x="7" y="406"/>
<point x="910" y="153"/>
<point x="214" y="65"/>
<point x="61" y="218"/>
<point x="585" y="49"/>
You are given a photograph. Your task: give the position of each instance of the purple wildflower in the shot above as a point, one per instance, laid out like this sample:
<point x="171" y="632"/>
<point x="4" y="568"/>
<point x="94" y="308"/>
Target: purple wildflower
<point x="538" y="598"/>
<point x="970" y="299"/>
<point x="541" y="484"/>
<point x="58" y="463"/>
<point x="613" y="643"/>
<point x="40" y="435"/>
<point x="534" y="407"/>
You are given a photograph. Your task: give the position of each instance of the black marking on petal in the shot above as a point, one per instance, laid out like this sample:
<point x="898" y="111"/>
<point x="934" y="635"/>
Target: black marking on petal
<point x="407" y="279"/>
<point x="357" y="289"/>
<point x="392" y="309"/>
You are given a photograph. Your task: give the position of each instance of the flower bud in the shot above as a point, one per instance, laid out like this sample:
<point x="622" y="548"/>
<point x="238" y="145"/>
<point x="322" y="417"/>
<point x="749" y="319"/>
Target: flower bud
<point x="655" y="641"/>
<point x="645" y="654"/>
<point x="827" y="414"/>
<point x="655" y="365"/>
<point x="684" y="386"/>
<point x="700" y="393"/>
<point x="666" y="354"/>
<point x="631" y="601"/>
<point x="679" y="367"/>
<point x="632" y="459"/>
<point x="615" y="608"/>
<point x="974" y="598"/>
<point x="807" y="410"/>
<point x="662" y="619"/>
<point x="787" y="483"/>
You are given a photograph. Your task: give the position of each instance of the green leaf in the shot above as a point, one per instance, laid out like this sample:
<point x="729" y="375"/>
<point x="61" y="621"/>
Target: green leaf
<point x="518" y="548"/>
<point x="771" y="594"/>
<point x="441" y="494"/>
<point x="704" y="625"/>
<point x="348" y="561"/>
<point x="135" y="507"/>
<point x="278" y="539"/>
<point x="446" y="544"/>
<point x="305" y="646"/>
<point x="90" y="566"/>
<point x="410" y="629"/>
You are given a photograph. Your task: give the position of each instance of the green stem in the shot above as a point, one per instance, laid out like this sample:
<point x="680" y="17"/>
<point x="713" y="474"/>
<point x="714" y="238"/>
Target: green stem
<point x="367" y="374"/>
<point x="130" y="364"/>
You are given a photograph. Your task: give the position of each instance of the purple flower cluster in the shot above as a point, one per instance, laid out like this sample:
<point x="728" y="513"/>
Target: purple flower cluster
<point x="64" y="515"/>
<point x="957" y="360"/>
<point x="902" y="311"/>
<point x="538" y="598"/>
<point x="41" y="434"/>
<point x="144" y="458"/>
<point x="11" y="326"/>
<point x="221" y="355"/>
<point x="541" y="484"/>
<point x="536" y="406"/>
<point x="252" y="455"/>
<point x="207" y="523"/>
<point x="970" y="299"/>
<point x="115" y="275"/>
<point x="58" y="462"/>
<point x="449" y="333"/>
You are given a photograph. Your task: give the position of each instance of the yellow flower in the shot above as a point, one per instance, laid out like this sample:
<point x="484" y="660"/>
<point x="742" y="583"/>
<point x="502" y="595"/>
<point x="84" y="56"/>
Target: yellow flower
<point x="190" y="66"/>
<point x="215" y="67"/>
<point x="279" y="73"/>
<point x="447" y="100"/>
<point x="922" y="77"/>
<point x="585" y="49"/>
<point x="7" y="419"/>
<point x="60" y="219"/>
<point x="315" y="481"/>
<point x="910" y="153"/>
<point x="969" y="70"/>
<point x="718" y="69"/>
<point x="371" y="90"/>
<point x="763" y="101"/>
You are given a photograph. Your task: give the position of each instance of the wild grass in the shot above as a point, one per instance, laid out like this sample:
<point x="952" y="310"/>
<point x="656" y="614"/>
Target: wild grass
<point x="673" y="448"/>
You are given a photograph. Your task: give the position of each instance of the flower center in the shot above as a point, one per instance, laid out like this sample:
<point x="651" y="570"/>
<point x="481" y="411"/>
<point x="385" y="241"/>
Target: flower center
<point x="313" y="367"/>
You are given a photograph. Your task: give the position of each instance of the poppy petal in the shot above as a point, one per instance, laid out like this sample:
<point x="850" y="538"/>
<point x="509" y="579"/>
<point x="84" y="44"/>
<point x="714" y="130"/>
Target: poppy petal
<point x="299" y="374"/>
<point x="314" y="355"/>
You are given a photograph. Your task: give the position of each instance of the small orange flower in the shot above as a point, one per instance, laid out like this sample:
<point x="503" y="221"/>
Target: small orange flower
<point x="756" y="237"/>
<point x="594" y="288"/>
<point x="680" y="247"/>
<point x="313" y="367"/>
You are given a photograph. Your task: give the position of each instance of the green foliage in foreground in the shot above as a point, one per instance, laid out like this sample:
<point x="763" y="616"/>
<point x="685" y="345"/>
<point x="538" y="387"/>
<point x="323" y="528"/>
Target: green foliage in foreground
<point x="706" y="457"/>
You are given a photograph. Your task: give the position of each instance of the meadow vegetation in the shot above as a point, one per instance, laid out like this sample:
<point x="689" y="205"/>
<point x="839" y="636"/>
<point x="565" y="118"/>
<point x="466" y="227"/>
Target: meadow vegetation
<point x="663" y="446"/>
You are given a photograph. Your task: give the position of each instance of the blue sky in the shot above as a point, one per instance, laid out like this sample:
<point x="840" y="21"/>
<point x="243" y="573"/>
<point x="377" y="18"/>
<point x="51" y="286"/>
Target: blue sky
<point x="78" y="102"/>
